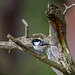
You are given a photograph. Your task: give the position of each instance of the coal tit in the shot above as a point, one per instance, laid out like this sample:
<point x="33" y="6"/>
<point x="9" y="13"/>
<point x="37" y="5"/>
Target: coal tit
<point x="39" y="45"/>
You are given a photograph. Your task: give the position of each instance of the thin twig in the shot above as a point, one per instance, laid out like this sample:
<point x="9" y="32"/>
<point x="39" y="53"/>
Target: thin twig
<point x="67" y="7"/>
<point x="30" y="51"/>
<point x="26" y="27"/>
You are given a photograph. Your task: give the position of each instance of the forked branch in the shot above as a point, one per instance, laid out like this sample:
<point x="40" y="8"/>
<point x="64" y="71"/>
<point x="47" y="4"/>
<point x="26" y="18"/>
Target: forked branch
<point x="42" y="58"/>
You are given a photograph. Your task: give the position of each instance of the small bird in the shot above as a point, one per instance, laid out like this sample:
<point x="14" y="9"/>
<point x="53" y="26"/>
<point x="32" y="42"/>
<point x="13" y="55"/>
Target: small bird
<point x="40" y="45"/>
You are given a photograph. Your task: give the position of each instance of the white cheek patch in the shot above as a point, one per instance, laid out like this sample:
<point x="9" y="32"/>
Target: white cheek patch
<point x="36" y="43"/>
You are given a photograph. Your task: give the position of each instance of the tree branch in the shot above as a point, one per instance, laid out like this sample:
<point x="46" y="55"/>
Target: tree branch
<point x="42" y="58"/>
<point x="67" y="8"/>
<point x="26" y="41"/>
<point x="26" y="27"/>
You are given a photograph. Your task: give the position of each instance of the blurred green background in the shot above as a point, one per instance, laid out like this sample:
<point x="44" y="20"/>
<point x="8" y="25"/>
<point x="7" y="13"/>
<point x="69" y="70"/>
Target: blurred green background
<point x="11" y="14"/>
